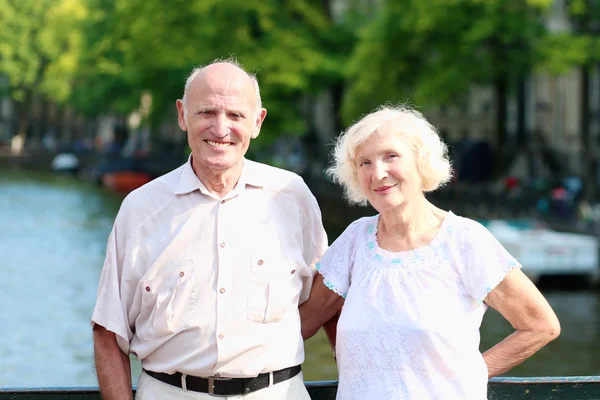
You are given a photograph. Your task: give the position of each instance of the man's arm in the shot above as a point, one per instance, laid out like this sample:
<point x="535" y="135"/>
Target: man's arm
<point x="112" y="366"/>
<point x="330" y="328"/>
<point x="322" y="305"/>
<point x="521" y="303"/>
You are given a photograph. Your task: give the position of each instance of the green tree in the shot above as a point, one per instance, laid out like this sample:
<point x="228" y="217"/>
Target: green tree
<point x="40" y="44"/>
<point x="433" y="52"/>
<point x="102" y="84"/>
<point x="578" y="48"/>
<point x="152" y="45"/>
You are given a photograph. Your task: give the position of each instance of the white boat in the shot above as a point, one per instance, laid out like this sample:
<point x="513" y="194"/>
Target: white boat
<point x="65" y="162"/>
<point x="542" y="251"/>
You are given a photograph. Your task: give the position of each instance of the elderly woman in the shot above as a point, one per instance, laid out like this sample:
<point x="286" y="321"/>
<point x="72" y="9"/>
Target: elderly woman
<point x="414" y="281"/>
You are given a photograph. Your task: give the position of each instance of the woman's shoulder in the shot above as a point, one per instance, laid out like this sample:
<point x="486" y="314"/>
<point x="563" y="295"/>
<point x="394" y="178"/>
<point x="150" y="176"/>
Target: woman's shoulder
<point x="361" y="225"/>
<point x="467" y="230"/>
<point x="465" y="224"/>
<point x="356" y="229"/>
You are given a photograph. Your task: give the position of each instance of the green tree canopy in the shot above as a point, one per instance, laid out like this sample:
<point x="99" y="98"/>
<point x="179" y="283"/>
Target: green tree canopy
<point x="432" y="52"/>
<point x="152" y="45"/>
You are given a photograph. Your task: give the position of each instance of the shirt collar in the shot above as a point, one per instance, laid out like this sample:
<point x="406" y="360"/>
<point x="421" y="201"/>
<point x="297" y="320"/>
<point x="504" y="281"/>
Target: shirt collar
<point x="189" y="182"/>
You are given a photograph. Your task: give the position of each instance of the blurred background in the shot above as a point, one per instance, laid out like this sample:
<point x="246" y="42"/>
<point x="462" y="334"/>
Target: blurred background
<point x="87" y="114"/>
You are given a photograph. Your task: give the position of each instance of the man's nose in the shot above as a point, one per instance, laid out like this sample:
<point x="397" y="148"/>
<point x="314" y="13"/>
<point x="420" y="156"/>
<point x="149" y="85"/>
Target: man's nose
<point x="221" y="126"/>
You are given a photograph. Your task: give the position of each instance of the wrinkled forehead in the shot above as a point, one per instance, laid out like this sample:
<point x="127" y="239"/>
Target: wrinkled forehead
<point x="237" y="88"/>
<point x="238" y="84"/>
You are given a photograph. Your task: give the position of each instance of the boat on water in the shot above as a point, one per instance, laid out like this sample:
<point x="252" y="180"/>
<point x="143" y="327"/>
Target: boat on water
<point x="545" y="252"/>
<point x="530" y="388"/>
<point x="125" y="181"/>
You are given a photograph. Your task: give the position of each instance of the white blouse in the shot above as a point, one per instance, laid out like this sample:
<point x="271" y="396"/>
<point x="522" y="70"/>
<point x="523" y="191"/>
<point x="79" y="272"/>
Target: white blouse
<point x="409" y="328"/>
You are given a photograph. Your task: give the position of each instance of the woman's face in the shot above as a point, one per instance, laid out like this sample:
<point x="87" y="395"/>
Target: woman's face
<point x="387" y="170"/>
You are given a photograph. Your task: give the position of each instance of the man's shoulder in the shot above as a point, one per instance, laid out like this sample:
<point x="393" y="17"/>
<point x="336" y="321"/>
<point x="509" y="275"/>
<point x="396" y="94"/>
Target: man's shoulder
<point x="163" y="185"/>
<point x="278" y="179"/>
<point x="154" y="195"/>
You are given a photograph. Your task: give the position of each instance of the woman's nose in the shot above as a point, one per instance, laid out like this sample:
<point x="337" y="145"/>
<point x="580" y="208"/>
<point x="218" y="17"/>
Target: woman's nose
<point x="379" y="172"/>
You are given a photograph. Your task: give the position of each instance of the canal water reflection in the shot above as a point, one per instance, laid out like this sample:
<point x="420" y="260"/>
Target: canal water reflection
<point x="52" y="243"/>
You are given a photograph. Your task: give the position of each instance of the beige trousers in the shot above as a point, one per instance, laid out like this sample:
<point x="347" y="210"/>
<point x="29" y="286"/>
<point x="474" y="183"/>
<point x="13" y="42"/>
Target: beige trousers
<point x="149" y="388"/>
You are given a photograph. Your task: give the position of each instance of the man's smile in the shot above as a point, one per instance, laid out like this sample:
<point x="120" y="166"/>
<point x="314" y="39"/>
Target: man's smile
<point x="219" y="144"/>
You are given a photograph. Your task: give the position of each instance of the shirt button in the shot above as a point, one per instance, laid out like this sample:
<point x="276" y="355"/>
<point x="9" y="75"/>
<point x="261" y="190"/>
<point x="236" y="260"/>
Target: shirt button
<point x="222" y="244"/>
<point x="221" y="336"/>
<point x="293" y="271"/>
<point x="222" y="201"/>
<point x="181" y="273"/>
<point x="222" y="290"/>
<point x="147" y="288"/>
<point x="260" y="262"/>
<point x="247" y="390"/>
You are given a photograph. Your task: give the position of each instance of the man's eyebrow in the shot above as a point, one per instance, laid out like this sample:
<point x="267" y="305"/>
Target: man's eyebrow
<point x="203" y="108"/>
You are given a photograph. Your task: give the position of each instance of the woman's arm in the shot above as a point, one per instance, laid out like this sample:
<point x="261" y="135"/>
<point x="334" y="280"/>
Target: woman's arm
<point x="522" y="304"/>
<point x="322" y="305"/>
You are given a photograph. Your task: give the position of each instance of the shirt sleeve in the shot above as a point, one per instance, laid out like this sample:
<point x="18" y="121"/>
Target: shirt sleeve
<point x="337" y="262"/>
<point x="314" y="240"/>
<point x="485" y="262"/>
<point x="110" y="310"/>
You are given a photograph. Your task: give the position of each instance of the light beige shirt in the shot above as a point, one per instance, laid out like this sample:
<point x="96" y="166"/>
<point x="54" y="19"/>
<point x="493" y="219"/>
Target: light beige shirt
<point x="202" y="285"/>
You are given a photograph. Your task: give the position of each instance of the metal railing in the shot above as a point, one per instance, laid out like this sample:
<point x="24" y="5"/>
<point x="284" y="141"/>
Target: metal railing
<point x="530" y="388"/>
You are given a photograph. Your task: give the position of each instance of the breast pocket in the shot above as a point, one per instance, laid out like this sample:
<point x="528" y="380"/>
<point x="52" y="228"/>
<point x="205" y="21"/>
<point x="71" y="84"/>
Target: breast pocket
<point x="167" y="303"/>
<point x="274" y="283"/>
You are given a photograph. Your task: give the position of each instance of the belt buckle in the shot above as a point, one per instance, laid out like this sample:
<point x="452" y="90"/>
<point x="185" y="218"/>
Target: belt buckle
<point x="211" y="385"/>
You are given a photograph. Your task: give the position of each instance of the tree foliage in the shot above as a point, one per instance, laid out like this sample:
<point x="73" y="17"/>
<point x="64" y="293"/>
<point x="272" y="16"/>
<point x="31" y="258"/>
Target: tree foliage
<point x="40" y="45"/>
<point x="433" y="52"/>
<point x="152" y="45"/>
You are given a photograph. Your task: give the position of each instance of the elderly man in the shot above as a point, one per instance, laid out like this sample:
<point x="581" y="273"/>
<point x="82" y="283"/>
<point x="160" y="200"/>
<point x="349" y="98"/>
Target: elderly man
<point x="206" y="265"/>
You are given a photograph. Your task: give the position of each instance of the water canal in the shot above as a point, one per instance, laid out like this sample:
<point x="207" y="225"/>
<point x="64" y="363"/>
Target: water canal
<point x="53" y="232"/>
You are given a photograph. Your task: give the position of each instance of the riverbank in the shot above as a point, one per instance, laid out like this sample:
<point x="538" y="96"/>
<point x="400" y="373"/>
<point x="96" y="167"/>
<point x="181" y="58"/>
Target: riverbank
<point x="486" y="200"/>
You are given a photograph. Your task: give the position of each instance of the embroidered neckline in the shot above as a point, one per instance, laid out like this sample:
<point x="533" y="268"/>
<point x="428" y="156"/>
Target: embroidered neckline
<point x="398" y="258"/>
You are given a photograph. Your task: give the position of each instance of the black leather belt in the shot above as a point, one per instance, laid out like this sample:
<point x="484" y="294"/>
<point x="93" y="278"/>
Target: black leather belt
<point x="226" y="386"/>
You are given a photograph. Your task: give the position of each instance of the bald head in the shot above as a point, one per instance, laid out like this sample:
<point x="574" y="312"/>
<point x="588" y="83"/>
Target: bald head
<point x="223" y="74"/>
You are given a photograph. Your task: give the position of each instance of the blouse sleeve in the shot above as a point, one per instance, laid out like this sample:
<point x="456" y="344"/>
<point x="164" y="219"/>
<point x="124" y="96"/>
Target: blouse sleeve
<point x="337" y="262"/>
<point x="485" y="262"/>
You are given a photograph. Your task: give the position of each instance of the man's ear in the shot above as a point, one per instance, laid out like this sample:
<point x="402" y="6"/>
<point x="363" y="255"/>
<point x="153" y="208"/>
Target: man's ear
<point x="181" y="116"/>
<point x="259" y="120"/>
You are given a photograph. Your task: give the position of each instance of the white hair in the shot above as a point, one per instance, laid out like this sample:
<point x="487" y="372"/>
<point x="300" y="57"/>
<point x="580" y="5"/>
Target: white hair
<point x="196" y="71"/>
<point x="431" y="152"/>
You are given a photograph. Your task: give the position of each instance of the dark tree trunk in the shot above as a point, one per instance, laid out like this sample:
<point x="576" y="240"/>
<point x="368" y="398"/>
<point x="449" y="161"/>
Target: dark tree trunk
<point x="589" y="178"/>
<point x="521" y="112"/>
<point x="501" y="94"/>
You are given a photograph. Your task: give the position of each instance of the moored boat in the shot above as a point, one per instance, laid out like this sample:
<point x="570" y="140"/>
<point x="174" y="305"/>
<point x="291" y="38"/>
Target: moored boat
<point x="125" y="181"/>
<point x="544" y="252"/>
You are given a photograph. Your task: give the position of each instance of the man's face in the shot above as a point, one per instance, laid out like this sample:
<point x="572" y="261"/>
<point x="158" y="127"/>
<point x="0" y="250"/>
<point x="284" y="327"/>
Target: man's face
<point x="222" y="117"/>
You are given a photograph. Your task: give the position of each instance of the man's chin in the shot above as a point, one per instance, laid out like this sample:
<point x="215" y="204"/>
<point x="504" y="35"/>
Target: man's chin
<point x="220" y="163"/>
